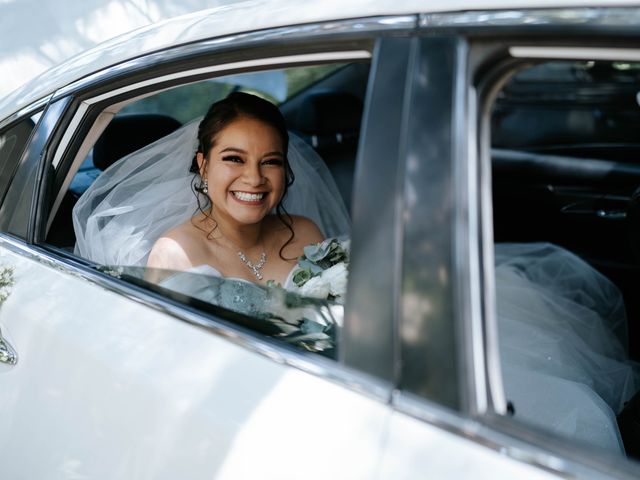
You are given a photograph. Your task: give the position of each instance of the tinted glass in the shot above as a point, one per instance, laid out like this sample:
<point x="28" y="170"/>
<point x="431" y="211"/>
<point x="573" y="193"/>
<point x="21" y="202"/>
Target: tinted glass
<point x="12" y="143"/>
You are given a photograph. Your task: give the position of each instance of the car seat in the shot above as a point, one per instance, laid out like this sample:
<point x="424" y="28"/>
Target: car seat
<point x="330" y="122"/>
<point x="124" y="135"/>
<point x="127" y="133"/>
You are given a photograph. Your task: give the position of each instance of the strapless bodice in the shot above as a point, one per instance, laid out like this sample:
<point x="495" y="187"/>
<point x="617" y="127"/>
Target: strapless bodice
<point x="206" y="269"/>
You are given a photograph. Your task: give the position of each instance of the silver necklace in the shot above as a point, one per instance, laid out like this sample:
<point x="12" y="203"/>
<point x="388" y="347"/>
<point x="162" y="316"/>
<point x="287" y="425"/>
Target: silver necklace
<point x="257" y="267"/>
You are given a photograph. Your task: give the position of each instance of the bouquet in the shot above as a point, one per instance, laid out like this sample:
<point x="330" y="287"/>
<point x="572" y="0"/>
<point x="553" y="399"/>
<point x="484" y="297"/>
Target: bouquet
<point x="313" y="308"/>
<point x="323" y="269"/>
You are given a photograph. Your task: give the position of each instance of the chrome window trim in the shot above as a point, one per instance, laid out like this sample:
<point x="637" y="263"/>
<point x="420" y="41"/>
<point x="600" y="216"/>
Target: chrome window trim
<point x="567" y="16"/>
<point x="468" y="241"/>
<point x="249" y="39"/>
<point x="482" y="148"/>
<point x="69" y="132"/>
<point x="26" y="111"/>
<point x="276" y="62"/>
<point x="576" y="53"/>
<point x="319" y="366"/>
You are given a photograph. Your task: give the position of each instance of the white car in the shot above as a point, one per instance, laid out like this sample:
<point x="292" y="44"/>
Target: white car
<point x="445" y="126"/>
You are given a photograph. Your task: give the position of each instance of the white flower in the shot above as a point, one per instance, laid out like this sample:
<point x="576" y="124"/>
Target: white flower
<point x="336" y="278"/>
<point x="316" y="287"/>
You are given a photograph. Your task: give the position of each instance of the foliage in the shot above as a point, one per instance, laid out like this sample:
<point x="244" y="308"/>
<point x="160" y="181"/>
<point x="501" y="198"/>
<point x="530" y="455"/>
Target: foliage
<point x="7" y="280"/>
<point x="322" y="270"/>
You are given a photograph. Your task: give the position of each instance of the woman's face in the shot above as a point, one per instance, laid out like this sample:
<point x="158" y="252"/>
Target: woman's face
<point x="245" y="170"/>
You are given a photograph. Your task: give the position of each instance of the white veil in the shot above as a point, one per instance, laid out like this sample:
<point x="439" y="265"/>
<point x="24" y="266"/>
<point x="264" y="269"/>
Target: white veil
<point x="119" y="218"/>
<point x="563" y="343"/>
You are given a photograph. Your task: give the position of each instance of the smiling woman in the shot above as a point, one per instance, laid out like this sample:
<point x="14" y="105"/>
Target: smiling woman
<point x="242" y="163"/>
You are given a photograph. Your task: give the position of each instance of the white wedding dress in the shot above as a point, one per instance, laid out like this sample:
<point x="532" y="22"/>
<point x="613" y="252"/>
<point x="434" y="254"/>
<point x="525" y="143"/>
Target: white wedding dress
<point x="562" y="326"/>
<point x="562" y="335"/>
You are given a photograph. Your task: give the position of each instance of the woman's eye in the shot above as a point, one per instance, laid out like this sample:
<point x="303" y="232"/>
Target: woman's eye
<point x="273" y="161"/>
<point x="232" y="158"/>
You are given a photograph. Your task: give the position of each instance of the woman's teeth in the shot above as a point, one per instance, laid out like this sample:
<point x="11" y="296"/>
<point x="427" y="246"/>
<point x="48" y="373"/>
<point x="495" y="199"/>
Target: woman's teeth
<point x="248" y="197"/>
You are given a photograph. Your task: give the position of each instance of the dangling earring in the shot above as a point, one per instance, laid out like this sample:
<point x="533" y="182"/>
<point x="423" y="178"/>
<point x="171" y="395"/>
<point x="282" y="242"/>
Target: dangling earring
<point x="204" y="186"/>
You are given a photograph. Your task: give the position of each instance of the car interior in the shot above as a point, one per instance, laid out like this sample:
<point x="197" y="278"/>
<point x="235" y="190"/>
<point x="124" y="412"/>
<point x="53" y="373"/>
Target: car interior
<point x="565" y="167"/>
<point x="565" y="170"/>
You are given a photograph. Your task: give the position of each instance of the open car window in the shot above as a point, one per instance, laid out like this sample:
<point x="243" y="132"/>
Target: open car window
<point x="307" y="310"/>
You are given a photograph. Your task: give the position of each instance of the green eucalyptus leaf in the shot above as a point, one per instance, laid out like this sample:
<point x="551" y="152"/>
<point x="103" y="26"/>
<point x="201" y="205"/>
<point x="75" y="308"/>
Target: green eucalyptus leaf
<point x="273" y="284"/>
<point x="317" y="251"/>
<point x="311" y="266"/>
<point x="302" y="276"/>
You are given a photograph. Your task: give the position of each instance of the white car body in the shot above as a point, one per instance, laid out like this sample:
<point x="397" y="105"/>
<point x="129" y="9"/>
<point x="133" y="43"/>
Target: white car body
<point x="112" y="383"/>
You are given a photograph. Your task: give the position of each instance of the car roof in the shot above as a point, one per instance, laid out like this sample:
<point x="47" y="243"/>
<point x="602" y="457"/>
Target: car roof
<point x="247" y="16"/>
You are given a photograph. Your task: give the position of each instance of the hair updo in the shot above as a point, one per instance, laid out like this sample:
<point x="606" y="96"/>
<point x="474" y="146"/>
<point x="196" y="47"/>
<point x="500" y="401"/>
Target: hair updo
<point x="224" y="112"/>
<point x="239" y="104"/>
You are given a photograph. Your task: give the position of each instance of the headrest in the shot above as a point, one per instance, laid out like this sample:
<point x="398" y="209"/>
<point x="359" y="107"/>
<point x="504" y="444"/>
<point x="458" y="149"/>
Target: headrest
<point x="328" y="113"/>
<point x="128" y="133"/>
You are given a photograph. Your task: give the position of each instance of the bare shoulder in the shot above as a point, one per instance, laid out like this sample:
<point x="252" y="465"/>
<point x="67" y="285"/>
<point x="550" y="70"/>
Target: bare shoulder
<point x="170" y="250"/>
<point x="306" y="232"/>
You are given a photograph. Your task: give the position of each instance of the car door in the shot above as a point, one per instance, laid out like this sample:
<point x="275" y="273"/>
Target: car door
<point x="447" y="320"/>
<point x="115" y="381"/>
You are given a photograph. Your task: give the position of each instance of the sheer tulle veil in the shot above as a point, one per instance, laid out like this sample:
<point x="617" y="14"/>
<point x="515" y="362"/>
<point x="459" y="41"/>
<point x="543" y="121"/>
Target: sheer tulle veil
<point x="119" y="218"/>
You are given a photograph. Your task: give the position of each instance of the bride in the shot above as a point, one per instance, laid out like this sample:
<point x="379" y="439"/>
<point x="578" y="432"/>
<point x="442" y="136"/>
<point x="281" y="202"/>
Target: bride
<point x="561" y="324"/>
<point x="242" y="161"/>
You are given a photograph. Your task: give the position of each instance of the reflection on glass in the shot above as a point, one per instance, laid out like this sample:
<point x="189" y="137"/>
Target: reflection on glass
<point x="308" y="323"/>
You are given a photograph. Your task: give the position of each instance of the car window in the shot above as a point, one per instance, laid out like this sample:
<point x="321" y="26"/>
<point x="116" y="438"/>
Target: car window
<point x="305" y="309"/>
<point x="565" y="172"/>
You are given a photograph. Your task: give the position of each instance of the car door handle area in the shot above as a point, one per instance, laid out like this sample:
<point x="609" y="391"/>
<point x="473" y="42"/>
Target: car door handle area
<point x="8" y="355"/>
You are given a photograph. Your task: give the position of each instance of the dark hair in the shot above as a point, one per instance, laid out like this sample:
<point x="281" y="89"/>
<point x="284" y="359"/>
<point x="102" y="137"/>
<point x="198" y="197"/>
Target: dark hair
<point x="220" y="115"/>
